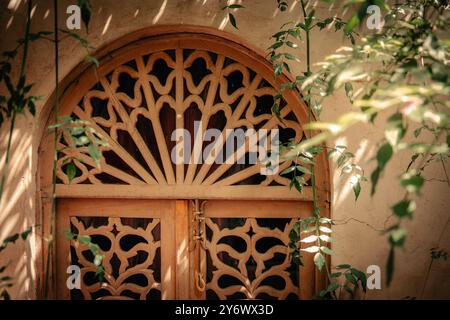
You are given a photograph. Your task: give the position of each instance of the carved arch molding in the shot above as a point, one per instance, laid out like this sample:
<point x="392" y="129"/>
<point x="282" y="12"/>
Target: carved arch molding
<point x="148" y="84"/>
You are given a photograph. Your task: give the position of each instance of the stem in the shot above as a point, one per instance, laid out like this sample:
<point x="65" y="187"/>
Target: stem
<point x="8" y="152"/>
<point x="316" y="210"/>
<point x="445" y="171"/>
<point x="55" y="157"/>
<point x="308" y="56"/>
<point x="432" y="260"/>
<point x="14" y="113"/>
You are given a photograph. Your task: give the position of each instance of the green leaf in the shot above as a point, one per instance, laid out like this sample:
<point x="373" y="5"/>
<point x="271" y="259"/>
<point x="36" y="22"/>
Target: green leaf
<point x="94" y="153"/>
<point x="303" y="169"/>
<point x="390" y="266"/>
<point x="319" y="260"/>
<point x="343" y="266"/>
<point x="336" y="274"/>
<point x="309" y="239"/>
<point x="325" y="229"/>
<point x="286" y="66"/>
<point x="24" y="235"/>
<point x="85" y="12"/>
<point x="278" y="70"/>
<point x="350" y="278"/>
<point x="384" y="154"/>
<point x="291" y="44"/>
<point x="326" y="238"/>
<point x="100" y="273"/>
<point x="233" y="6"/>
<point x="92" y="59"/>
<point x="290" y="56"/>
<point x="397" y="237"/>
<point x="71" y="171"/>
<point x="404" y="209"/>
<point x="361" y="276"/>
<point x="357" y="189"/>
<point x="5" y="295"/>
<point x="412" y="182"/>
<point x="326" y="250"/>
<point x="11" y="239"/>
<point x="352" y="23"/>
<point x="333" y="286"/>
<point x="325" y="22"/>
<point x="287" y="170"/>
<point x="232" y="20"/>
<point x="84" y="239"/>
<point x="69" y="235"/>
<point x="349" y="91"/>
<point x="98" y="259"/>
<point x="311" y="249"/>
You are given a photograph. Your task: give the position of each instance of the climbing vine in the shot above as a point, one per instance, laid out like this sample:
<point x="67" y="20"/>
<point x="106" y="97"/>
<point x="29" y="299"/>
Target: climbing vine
<point x="402" y="69"/>
<point x="18" y="101"/>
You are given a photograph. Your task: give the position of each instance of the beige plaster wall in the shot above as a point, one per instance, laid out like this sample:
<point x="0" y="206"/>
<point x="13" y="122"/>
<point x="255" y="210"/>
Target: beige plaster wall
<point x="359" y="225"/>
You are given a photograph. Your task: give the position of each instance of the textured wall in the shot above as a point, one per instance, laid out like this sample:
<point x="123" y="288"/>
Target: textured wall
<point x="358" y="233"/>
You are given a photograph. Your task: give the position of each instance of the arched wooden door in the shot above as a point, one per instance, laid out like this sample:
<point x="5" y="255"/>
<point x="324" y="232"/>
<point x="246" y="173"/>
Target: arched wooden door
<point x="178" y="231"/>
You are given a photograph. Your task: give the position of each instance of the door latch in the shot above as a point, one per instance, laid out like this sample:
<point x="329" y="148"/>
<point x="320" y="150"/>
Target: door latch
<point x="199" y="240"/>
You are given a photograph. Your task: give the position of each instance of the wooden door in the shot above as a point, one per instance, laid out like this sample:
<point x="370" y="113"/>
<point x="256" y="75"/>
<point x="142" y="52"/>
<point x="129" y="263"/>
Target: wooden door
<point x="136" y="238"/>
<point x="182" y="249"/>
<point x="242" y="251"/>
<point x="148" y="84"/>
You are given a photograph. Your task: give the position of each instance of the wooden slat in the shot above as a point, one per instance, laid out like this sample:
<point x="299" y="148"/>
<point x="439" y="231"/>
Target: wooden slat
<point x="240" y="192"/>
<point x="258" y="209"/>
<point x="182" y="240"/>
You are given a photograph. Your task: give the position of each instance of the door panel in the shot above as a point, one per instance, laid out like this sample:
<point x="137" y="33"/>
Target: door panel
<point x="245" y="253"/>
<point x="180" y="249"/>
<point x="136" y="239"/>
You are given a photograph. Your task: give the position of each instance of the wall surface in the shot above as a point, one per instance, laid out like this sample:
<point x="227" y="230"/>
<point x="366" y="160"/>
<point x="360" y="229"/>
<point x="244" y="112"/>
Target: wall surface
<point x="358" y="233"/>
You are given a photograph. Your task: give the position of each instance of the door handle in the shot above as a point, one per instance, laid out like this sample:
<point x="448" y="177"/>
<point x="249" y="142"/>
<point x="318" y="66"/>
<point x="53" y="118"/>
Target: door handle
<point x="199" y="240"/>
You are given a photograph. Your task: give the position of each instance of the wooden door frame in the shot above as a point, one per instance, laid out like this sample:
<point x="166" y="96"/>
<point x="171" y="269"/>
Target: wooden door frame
<point x="253" y="56"/>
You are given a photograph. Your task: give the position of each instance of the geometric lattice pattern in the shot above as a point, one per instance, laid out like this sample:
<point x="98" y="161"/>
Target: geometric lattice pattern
<point x="248" y="258"/>
<point x="136" y="107"/>
<point x="132" y="262"/>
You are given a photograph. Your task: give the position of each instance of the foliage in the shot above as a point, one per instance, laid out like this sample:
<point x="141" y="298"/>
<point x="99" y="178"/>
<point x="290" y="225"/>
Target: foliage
<point x="6" y="281"/>
<point x="18" y="100"/>
<point x="313" y="234"/>
<point x="353" y="279"/>
<point x="85" y="240"/>
<point x="401" y="71"/>
<point x="231" y="16"/>
<point x="82" y="137"/>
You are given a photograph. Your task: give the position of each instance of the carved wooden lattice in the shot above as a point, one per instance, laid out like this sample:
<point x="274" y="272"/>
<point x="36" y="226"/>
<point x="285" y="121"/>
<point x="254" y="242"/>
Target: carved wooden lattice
<point x="249" y="258"/>
<point x="136" y="107"/>
<point x="131" y="248"/>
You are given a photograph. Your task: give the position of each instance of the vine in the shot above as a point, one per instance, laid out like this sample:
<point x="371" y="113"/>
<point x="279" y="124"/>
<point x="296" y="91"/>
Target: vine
<point x="404" y="68"/>
<point x="17" y="101"/>
<point x="316" y="229"/>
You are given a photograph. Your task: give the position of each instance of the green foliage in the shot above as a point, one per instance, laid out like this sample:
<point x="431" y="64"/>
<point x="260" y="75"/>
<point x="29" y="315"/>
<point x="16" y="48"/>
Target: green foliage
<point x="437" y="254"/>
<point x="79" y="135"/>
<point x="6" y="281"/>
<point x="94" y="248"/>
<point x="86" y="12"/>
<point x="348" y="279"/>
<point x="18" y="100"/>
<point x="230" y="15"/>
<point x="402" y="71"/>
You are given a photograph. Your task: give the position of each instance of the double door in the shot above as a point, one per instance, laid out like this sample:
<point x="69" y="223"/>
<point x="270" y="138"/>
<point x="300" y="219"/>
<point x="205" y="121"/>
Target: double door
<point x="182" y="249"/>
